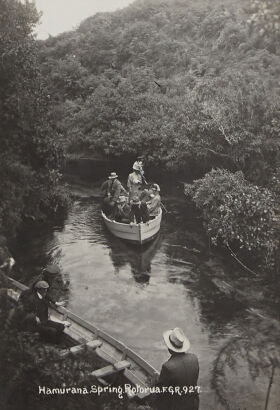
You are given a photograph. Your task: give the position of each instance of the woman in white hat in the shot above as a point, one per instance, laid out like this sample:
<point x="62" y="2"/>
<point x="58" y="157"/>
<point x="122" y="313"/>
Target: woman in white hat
<point x="135" y="181"/>
<point x="181" y="371"/>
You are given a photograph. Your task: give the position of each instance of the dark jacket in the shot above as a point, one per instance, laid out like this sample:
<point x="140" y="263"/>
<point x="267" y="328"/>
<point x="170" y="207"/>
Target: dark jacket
<point x="122" y="213"/>
<point x="112" y="188"/>
<point x="181" y="370"/>
<point x="140" y="212"/>
<point x="56" y="286"/>
<point x="31" y="303"/>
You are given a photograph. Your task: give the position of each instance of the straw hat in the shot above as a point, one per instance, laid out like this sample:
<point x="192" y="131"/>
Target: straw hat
<point x="155" y="187"/>
<point x="121" y="199"/>
<point x="113" y="175"/>
<point x="41" y="285"/>
<point x="137" y="166"/>
<point x="136" y="200"/>
<point x="51" y="270"/>
<point x="176" y="340"/>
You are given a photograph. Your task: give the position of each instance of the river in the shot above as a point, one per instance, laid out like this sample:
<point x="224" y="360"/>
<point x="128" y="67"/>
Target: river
<point x="177" y="280"/>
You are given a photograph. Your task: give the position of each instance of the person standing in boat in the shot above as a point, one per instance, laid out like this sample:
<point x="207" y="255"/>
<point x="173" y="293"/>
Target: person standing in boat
<point x="111" y="190"/>
<point x="139" y="211"/>
<point x="154" y="203"/>
<point x="139" y="165"/>
<point x="135" y="181"/>
<point x="180" y="371"/>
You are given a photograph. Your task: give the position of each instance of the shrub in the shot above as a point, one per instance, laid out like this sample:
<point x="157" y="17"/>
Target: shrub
<point x="237" y="212"/>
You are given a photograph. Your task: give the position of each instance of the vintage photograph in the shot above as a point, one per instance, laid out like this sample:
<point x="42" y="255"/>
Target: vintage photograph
<point x="139" y="204"/>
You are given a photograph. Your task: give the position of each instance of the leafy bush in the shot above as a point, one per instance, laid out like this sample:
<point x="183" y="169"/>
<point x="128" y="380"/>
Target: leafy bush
<point x="236" y="211"/>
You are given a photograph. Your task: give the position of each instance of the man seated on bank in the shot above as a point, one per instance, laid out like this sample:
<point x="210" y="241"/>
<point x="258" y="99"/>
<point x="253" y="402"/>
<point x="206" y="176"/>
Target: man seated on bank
<point x="180" y="371"/>
<point x="154" y="203"/>
<point x="139" y="211"/>
<point x="122" y="210"/>
<point x="111" y="190"/>
<point x="35" y="312"/>
<point x="52" y="275"/>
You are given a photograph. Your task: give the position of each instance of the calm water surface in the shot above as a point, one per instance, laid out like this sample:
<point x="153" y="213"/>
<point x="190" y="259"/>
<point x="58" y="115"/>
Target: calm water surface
<point x="135" y="294"/>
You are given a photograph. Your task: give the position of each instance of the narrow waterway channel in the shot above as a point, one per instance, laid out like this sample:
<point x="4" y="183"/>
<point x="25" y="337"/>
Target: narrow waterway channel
<point x="137" y="293"/>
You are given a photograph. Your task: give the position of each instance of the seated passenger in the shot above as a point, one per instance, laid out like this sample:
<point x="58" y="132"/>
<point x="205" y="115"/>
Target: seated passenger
<point x="122" y="210"/>
<point x="154" y="203"/>
<point x="146" y="195"/>
<point x="111" y="190"/>
<point x="34" y="307"/>
<point x="139" y="211"/>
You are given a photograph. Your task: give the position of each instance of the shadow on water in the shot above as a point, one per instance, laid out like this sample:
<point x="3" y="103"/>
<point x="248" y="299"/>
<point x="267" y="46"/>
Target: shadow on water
<point x="138" y="257"/>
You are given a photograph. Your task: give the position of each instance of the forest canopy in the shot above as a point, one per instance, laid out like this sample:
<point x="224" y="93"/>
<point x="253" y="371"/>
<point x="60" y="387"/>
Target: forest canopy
<point x="179" y="81"/>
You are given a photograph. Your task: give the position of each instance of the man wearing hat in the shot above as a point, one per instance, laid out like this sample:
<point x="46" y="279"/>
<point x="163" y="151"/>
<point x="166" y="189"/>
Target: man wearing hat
<point x="111" y="190"/>
<point x="181" y="370"/>
<point x="51" y="275"/>
<point x="34" y="307"/>
<point x="122" y="211"/>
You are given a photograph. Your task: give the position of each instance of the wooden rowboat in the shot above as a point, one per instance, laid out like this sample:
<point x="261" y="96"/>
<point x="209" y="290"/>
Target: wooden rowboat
<point x="134" y="233"/>
<point x="117" y="357"/>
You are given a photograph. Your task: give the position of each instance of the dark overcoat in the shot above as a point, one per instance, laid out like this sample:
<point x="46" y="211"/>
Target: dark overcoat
<point x="181" y="370"/>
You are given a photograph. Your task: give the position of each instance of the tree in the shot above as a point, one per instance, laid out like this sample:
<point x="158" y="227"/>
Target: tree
<point x="30" y="158"/>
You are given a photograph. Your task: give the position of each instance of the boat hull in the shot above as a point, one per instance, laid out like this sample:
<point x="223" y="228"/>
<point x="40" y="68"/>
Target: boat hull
<point x="134" y="233"/>
<point x="138" y="373"/>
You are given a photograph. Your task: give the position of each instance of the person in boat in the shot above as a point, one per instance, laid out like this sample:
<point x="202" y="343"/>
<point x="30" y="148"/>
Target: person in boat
<point x="122" y="210"/>
<point x="139" y="211"/>
<point x="52" y="275"/>
<point x="154" y="203"/>
<point x="139" y="165"/>
<point x="146" y="194"/>
<point x="34" y="307"/>
<point x="135" y="181"/>
<point x="181" y="370"/>
<point x="111" y="190"/>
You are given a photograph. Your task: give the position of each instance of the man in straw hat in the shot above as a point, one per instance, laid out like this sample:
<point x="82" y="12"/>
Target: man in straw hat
<point x="111" y="190"/>
<point x="181" y="371"/>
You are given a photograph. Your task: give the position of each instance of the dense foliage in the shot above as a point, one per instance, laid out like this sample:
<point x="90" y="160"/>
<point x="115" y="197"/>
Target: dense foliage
<point x="29" y="155"/>
<point x="188" y="84"/>
<point x="239" y="213"/>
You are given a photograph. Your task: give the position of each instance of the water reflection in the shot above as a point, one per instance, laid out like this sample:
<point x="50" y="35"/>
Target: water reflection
<point x="252" y="355"/>
<point x="139" y="258"/>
